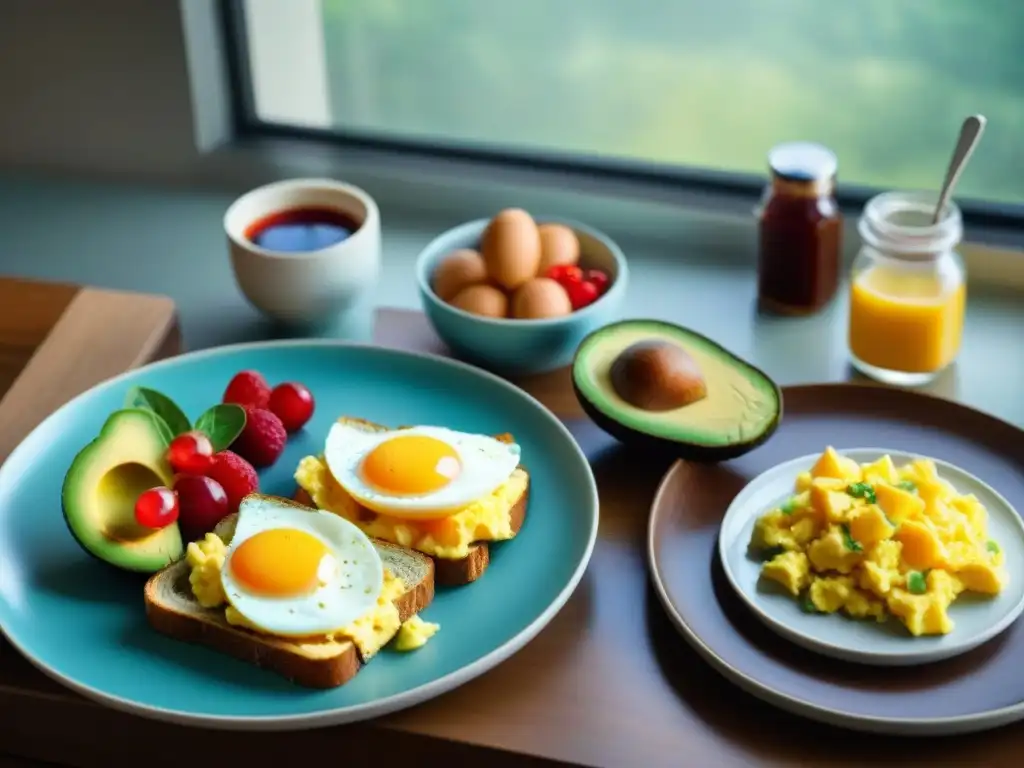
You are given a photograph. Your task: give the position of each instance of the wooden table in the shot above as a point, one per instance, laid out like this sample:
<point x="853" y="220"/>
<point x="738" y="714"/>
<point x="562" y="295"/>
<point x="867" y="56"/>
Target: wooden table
<point x="608" y="683"/>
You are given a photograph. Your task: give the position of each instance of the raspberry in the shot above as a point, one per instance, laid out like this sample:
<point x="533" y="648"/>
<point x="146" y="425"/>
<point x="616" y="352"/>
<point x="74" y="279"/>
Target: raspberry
<point x="235" y="475"/>
<point x="248" y="388"/>
<point x="263" y="438"/>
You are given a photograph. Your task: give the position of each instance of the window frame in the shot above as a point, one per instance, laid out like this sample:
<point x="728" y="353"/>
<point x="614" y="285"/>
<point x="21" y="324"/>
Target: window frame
<point x="729" y="191"/>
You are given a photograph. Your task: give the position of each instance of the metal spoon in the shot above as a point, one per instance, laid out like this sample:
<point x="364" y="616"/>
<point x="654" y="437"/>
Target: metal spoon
<point x="970" y="134"/>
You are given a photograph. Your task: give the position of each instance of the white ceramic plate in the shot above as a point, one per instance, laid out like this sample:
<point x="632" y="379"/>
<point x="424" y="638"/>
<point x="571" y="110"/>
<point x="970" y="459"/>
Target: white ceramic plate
<point x="977" y="618"/>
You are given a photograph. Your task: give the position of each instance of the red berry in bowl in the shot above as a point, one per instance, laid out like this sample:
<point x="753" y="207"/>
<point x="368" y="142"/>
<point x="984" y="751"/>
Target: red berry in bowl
<point x="202" y="504"/>
<point x="581" y="294"/>
<point x="262" y="440"/>
<point x="599" y="279"/>
<point x="247" y="388"/>
<point x="156" y="508"/>
<point x="565" y="274"/>
<point x="190" y="453"/>
<point x="293" y="404"/>
<point x="235" y="475"/>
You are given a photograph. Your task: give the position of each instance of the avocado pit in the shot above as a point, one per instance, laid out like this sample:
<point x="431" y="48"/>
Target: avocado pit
<point x="653" y="383"/>
<point x="656" y="375"/>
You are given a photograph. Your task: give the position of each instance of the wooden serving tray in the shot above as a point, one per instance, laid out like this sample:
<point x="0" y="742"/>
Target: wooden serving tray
<point x="608" y="683"/>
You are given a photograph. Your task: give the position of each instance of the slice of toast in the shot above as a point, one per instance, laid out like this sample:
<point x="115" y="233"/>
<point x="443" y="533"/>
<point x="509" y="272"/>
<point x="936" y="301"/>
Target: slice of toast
<point x="311" y="662"/>
<point x="464" y="570"/>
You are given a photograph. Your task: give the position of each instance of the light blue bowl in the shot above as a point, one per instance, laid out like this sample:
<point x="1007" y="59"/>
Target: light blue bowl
<point x="521" y="346"/>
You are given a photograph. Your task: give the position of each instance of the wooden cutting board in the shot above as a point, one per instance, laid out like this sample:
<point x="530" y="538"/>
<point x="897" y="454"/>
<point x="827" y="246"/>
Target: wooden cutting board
<point x="607" y="683"/>
<point x="57" y="341"/>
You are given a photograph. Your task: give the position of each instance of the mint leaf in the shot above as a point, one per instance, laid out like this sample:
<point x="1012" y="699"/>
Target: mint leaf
<point x="161" y="405"/>
<point x="159" y="425"/>
<point x="222" y="424"/>
<point x="851" y="543"/>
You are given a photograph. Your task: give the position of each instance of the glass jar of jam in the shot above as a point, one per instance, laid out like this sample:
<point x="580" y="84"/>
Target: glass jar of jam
<point x="800" y="230"/>
<point x="908" y="289"/>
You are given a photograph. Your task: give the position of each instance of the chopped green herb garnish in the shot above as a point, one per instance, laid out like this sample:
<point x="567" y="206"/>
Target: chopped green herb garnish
<point x="806" y="604"/>
<point x="771" y="552"/>
<point x="851" y="543"/>
<point x="916" y="583"/>
<point x="862" y="491"/>
<point x="790" y="505"/>
<point x="992" y="547"/>
<point x="907" y="485"/>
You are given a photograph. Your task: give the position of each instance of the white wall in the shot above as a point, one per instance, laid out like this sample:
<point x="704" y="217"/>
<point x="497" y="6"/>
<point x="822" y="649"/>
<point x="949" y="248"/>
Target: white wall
<point x="96" y="86"/>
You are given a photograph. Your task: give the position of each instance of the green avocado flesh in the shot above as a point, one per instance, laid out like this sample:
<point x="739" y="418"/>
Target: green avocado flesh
<point x="741" y="410"/>
<point x="100" y="489"/>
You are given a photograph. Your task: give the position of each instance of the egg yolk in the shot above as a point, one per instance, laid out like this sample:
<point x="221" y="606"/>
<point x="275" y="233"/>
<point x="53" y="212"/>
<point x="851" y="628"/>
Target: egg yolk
<point x="282" y="562"/>
<point x="411" y="465"/>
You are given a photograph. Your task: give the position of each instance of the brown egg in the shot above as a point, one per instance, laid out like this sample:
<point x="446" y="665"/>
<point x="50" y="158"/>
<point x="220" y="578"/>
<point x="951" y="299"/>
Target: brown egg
<point x="558" y="245"/>
<point x="657" y="376"/>
<point x="511" y="248"/>
<point x="484" y="300"/>
<point x="540" y="297"/>
<point x="459" y="270"/>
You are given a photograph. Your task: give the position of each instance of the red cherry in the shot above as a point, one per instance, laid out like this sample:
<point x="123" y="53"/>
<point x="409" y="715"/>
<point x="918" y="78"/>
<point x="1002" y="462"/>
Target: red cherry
<point x="156" y="508"/>
<point x="191" y="453"/>
<point x="565" y="274"/>
<point x="203" y="504"/>
<point x="581" y="294"/>
<point x="599" y="279"/>
<point x="293" y="404"/>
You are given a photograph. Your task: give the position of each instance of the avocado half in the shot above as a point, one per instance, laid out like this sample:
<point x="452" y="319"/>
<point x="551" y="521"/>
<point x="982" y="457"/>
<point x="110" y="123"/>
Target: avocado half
<point x="101" y="486"/>
<point x="741" y="409"/>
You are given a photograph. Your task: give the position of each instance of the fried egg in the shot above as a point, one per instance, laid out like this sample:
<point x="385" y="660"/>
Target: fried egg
<point x="418" y="472"/>
<point x="294" y="572"/>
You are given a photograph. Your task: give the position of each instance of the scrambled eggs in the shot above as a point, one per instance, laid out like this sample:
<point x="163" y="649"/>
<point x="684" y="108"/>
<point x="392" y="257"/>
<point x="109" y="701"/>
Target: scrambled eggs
<point x="872" y="540"/>
<point x="415" y="633"/>
<point x="369" y="633"/>
<point x="449" y="538"/>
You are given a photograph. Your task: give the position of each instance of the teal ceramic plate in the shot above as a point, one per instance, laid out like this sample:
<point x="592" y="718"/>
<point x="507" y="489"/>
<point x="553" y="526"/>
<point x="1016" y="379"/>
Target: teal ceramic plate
<point x="83" y="623"/>
<point x="977" y="619"/>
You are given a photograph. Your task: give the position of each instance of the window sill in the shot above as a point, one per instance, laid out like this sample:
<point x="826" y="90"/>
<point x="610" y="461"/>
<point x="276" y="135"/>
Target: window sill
<point x="677" y="224"/>
<point x="696" y="271"/>
<point x="680" y="224"/>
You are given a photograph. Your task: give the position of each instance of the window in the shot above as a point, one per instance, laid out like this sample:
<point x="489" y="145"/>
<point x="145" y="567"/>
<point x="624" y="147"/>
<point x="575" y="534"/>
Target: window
<point x="680" y="86"/>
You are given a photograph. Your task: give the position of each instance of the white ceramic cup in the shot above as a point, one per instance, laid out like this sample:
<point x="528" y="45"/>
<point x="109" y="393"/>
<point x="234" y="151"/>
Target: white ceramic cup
<point x="324" y="286"/>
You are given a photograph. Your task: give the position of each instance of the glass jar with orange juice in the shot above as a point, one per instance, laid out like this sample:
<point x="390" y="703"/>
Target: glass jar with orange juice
<point x="907" y="290"/>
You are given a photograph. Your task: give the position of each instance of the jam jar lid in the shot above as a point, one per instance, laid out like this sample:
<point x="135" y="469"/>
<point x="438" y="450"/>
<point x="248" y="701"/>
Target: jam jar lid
<point x="802" y="161"/>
